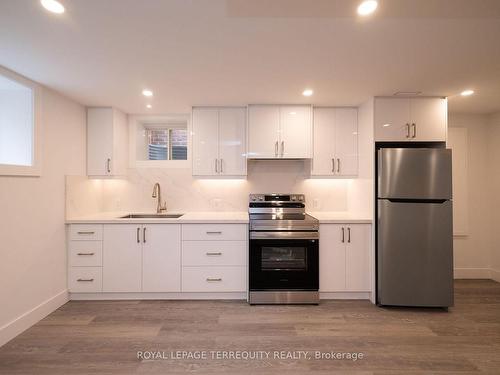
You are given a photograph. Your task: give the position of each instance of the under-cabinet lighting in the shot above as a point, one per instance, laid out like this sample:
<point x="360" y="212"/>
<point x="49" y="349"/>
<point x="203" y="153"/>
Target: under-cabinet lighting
<point x="53" y="6"/>
<point x="367" y="7"/>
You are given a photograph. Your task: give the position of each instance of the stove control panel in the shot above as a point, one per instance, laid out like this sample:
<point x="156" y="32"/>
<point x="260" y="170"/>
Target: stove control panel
<point x="274" y="197"/>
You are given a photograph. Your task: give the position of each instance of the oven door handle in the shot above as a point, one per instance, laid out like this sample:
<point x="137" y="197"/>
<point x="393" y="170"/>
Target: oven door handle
<point x="284" y="235"/>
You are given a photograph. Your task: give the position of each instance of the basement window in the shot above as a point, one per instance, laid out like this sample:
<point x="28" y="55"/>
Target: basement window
<point x="18" y="126"/>
<point x="165" y="143"/>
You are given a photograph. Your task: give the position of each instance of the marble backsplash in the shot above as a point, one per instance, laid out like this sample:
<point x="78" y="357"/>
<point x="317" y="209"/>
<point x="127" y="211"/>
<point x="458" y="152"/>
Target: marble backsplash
<point x="184" y="193"/>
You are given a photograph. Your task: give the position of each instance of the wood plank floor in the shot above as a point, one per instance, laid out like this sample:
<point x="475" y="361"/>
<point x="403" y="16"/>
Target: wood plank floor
<point x="103" y="337"/>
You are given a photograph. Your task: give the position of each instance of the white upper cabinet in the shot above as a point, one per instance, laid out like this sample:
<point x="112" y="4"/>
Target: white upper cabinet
<point x="279" y="132"/>
<point x="218" y="141"/>
<point x="107" y="140"/>
<point x="335" y="142"/>
<point x="205" y="141"/>
<point x="263" y="131"/>
<point x="411" y="119"/>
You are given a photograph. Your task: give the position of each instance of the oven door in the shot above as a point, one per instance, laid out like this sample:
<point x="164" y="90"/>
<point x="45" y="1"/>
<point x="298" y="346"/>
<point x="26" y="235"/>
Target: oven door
<point x="284" y="264"/>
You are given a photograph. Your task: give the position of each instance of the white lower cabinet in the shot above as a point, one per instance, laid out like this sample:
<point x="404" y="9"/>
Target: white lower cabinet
<point x="142" y="258"/>
<point x="214" y="257"/>
<point x="344" y="258"/>
<point x="85" y="279"/>
<point x="214" y="279"/>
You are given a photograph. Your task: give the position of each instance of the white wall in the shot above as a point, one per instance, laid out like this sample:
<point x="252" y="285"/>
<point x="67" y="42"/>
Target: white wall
<point x="33" y="266"/>
<point x="493" y="141"/>
<point x="472" y="251"/>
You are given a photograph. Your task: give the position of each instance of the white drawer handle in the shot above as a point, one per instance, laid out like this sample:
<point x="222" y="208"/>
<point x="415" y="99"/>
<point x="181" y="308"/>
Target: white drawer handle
<point x="85" y="254"/>
<point x="209" y="279"/>
<point x="219" y="232"/>
<point x="85" y="280"/>
<point x="86" y="232"/>
<point x="218" y="253"/>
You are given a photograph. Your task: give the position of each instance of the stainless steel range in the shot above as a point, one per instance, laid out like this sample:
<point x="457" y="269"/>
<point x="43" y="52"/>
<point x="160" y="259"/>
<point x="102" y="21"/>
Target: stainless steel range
<point x="284" y="247"/>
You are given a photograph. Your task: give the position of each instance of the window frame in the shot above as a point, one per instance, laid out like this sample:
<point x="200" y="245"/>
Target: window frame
<point x="139" y="120"/>
<point x="35" y="169"/>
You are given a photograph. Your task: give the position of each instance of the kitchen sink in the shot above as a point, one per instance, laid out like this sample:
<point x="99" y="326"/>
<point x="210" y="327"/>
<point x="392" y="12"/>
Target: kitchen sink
<point x="151" y="216"/>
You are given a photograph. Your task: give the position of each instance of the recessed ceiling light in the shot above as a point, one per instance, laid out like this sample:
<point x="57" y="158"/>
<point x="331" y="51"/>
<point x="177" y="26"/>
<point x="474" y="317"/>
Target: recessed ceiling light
<point x="293" y="113"/>
<point x="467" y="92"/>
<point x="367" y="7"/>
<point x="149" y="106"/>
<point x="53" y="6"/>
<point x="386" y="125"/>
<point x="307" y="92"/>
<point x="147" y="92"/>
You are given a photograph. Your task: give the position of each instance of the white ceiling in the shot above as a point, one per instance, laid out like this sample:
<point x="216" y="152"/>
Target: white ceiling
<point x="208" y="52"/>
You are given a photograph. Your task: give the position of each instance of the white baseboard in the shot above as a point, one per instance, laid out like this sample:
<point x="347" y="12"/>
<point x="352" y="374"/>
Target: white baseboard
<point x="495" y="275"/>
<point x="172" y="296"/>
<point x="25" y="321"/>
<point x="344" y="295"/>
<point x="472" y="273"/>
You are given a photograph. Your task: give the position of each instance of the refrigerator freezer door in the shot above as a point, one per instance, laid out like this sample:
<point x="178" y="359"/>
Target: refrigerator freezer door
<point x="415" y="254"/>
<point x="414" y="173"/>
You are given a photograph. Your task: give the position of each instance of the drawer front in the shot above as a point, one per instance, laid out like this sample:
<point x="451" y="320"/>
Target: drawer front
<point x="214" y="253"/>
<point x="85" y="253"/>
<point x="220" y="232"/>
<point x="85" y="279"/>
<point x="214" y="279"/>
<point x="86" y="232"/>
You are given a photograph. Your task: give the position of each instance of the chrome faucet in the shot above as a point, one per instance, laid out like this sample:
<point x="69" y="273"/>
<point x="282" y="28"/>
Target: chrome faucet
<point x="160" y="207"/>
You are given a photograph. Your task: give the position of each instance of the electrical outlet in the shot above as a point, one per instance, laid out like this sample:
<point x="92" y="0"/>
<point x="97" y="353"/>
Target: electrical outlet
<point x="316" y="203"/>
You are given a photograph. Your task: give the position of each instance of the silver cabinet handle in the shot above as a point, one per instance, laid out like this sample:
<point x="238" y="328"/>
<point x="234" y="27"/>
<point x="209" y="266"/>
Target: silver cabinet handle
<point x="349" y="235"/>
<point x="209" y="279"/>
<point x="144" y="234"/>
<point x="343" y="234"/>
<point x="282" y="148"/>
<point x="414" y="126"/>
<point x="85" y="280"/>
<point x="215" y="232"/>
<point x="108" y="166"/>
<point x="276" y="149"/>
<point x="333" y="165"/>
<point x="86" y="232"/>
<point x="338" y="165"/>
<point x="138" y="233"/>
<point x="407" y="130"/>
<point x="221" y="170"/>
<point x="214" y="253"/>
<point x="216" y="166"/>
<point x="85" y="253"/>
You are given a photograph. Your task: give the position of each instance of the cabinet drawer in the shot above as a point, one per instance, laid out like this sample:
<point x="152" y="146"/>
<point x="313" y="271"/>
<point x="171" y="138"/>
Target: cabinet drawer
<point x="214" y="253"/>
<point x="88" y="232"/>
<point x="85" y="279"/>
<point x="224" y="232"/>
<point x="85" y="253"/>
<point x="214" y="279"/>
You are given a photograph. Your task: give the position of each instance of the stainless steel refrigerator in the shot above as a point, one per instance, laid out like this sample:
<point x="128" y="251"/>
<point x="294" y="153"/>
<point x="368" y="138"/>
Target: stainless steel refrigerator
<point x="414" y="227"/>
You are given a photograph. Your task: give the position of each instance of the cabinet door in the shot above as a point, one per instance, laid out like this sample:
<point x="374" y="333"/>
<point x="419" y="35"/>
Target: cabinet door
<point x="232" y="141"/>
<point x="358" y="257"/>
<point x="430" y="118"/>
<point x="296" y="132"/>
<point x="122" y="258"/>
<point x="346" y="141"/>
<point x="263" y="131"/>
<point x="332" y="261"/>
<point x="323" y="141"/>
<point x="99" y="141"/>
<point x="205" y="134"/>
<point x="392" y="119"/>
<point x="161" y="258"/>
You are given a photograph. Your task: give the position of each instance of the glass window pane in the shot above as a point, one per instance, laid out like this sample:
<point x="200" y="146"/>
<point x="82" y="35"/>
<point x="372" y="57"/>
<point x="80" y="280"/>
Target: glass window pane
<point x="16" y="123"/>
<point x="179" y="144"/>
<point x="158" y="140"/>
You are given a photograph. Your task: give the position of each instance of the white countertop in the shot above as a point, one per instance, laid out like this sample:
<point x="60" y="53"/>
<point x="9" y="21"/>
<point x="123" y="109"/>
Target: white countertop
<point x="341" y="217"/>
<point x="231" y="217"/>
